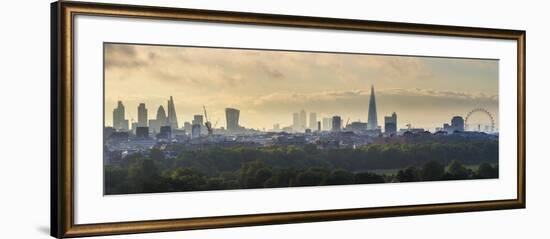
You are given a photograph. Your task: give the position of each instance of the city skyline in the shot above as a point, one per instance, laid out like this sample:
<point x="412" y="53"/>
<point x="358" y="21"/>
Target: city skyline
<point x="299" y="119"/>
<point x="276" y="91"/>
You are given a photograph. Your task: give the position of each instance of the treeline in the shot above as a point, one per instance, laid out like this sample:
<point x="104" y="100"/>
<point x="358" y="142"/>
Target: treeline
<point x="289" y="166"/>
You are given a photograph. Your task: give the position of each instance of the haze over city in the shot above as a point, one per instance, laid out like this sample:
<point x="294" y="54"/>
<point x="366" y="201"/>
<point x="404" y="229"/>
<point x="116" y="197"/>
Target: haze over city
<point x="269" y="86"/>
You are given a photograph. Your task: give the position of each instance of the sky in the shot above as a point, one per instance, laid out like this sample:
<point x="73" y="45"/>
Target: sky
<point x="268" y="86"/>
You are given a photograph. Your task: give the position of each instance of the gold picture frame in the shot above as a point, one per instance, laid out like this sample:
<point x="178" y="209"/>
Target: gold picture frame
<point x="62" y="128"/>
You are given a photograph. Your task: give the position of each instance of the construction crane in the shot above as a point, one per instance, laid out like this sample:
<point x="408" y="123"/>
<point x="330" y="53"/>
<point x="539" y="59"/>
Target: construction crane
<point x="207" y="122"/>
<point x="215" y="124"/>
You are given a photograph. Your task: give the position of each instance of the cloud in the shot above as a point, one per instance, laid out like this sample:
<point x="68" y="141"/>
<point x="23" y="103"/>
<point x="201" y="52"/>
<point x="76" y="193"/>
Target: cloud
<point x="122" y="56"/>
<point x="122" y="49"/>
<point x="439" y="94"/>
<point x="270" y="71"/>
<point x="286" y="97"/>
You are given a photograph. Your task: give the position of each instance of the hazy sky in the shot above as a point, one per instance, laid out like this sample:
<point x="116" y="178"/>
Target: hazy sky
<point x="268" y="86"/>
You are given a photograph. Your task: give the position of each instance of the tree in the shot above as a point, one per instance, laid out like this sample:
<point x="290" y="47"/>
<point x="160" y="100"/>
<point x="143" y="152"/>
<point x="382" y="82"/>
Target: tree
<point x="281" y="178"/>
<point x="156" y="154"/>
<point x="216" y="167"/>
<point x="457" y="171"/>
<point x="215" y="183"/>
<point x="254" y="174"/>
<point x="263" y="175"/>
<point x="115" y="180"/>
<point x="432" y="171"/>
<point x="187" y="179"/>
<point x="340" y="177"/>
<point x="144" y="177"/>
<point x="368" y="177"/>
<point x="309" y="178"/>
<point x="485" y="170"/>
<point x="410" y="174"/>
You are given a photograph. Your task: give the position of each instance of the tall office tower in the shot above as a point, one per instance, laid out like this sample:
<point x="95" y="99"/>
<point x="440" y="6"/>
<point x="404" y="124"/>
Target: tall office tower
<point x="296" y="121"/>
<point x="172" y="118"/>
<point x="161" y="116"/>
<point x="197" y="120"/>
<point x="457" y="123"/>
<point x="319" y="126"/>
<point x="161" y="120"/>
<point x="336" y="123"/>
<point x="390" y="124"/>
<point x="119" y="122"/>
<point x="313" y="121"/>
<point x="327" y="124"/>
<point x="142" y="115"/>
<point x="232" y="119"/>
<point x="303" y="120"/>
<point x="373" y="118"/>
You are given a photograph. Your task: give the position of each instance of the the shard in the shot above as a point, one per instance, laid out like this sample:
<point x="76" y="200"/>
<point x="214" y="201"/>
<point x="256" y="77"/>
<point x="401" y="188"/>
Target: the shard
<point x="373" y="118"/>
<point x="172" y="118"/>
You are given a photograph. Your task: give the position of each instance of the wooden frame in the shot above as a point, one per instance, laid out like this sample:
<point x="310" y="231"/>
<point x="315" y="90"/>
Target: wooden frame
<point x="62" y="125"/>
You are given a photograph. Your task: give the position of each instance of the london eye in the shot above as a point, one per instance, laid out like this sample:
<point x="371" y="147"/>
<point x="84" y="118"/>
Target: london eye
<point x="480" y="111"/>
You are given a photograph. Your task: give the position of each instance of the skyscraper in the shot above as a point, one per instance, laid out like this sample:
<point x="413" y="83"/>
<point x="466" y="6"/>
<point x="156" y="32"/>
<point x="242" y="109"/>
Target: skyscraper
<point x="187" y="126"/>
<point x="134" y="126"/>
<point x="313" y="121"/>
<point x="303" y="120"/>
<point x="161" y="120"/>
<point x="142" y="115"/>
<point x="390" y="124"/>
<point x="457" y="123"/>
<point x="327" y="124"/>
<point x="373" y="118"/>
<point x="197" y="120"/>
<point x="336" y="123"/>
<point x="119" y="122"/>
<point x="296" y="121"/>
<point x="172" y="118"/>
<point x="161" y="116"/>
<point x="195" y="131"/>
<point x="232" y="119"/>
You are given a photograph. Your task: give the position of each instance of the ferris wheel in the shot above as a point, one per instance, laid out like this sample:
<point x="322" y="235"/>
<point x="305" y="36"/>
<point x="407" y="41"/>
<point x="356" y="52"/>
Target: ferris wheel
<point x="490" y="118"/>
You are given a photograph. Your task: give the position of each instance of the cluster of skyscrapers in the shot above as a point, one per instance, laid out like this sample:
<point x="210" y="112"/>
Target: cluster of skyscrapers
<point x="371" y="127"/>
<point x="166" y="123"/>
<point x="144" y="125"/>
<point x="299" y="120"/>
<point x="335" y="123"/>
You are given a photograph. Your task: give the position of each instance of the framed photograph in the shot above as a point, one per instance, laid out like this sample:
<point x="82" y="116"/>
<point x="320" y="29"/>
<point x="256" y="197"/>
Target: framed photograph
<point x="170" y="119"/>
